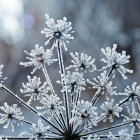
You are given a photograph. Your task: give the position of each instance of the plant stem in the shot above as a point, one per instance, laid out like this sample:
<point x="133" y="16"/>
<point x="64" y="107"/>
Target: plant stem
<point x="106" y="136"/>
<point x="27" y="138"/>
<point x="30" y="123"/>
<point x="95" y="98"/>
<point x="47" y="78"/>
<point x="99" y="119"/>
<point x="61" y="65"/>
<point x="98" y="93"/>
<point x="29" y="107"/>
<point x="104" y="129"/>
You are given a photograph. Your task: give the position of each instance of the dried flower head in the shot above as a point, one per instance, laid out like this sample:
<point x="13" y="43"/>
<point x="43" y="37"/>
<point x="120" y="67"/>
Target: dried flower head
<point x="82" y="62"/>
<point x="102" y="84"/>
<point x="38" y="132"/>
<point x="11" y="116"/>
<point x="110" y="109"/>
<point x="74" y="82"/>
<point x="115" y="61"/>
<point x="60" y="32"/>
<point x="51" y="103"/>
<point x="38" y="58"/>
<point x="133" y="116"/>
<point x="124" y="135"/>
<point x="131" y="92"/>
<point x="85" y="113"/>
<point x="34" y="89"/>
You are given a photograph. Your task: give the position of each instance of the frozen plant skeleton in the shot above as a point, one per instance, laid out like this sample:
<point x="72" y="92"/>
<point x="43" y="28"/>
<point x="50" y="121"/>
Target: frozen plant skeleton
<point x="73" y="118"/>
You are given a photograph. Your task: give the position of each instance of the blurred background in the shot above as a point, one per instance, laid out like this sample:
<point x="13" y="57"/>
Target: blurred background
<point x="97" y="24"/>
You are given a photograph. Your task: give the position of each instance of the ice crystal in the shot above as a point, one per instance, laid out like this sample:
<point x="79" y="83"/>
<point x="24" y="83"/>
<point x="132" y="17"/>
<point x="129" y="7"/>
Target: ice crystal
<point x="82" y="62"/>
<point x="124" y="135"/>
<point x="1" y="77"/>
<point x="134" y="116"/>
<point x="90" y="137"/>
<point x="11" y="115"/>
<point x="115" y="61"/>
<point x="38" y="57"/>
<point x="102" y="84"/>
<point x="1" y="138"/>
<point x="85" y="113"/>
<point x="131" y="92"/>
<point x="74" y="82"/>
<point x="51" y="103"/>
<point x="38" y="132"/>
<point x="111" y="110"/>
<point x="111" y="136"/>
<point x="34" y="89"/>
<point x="60" y="32"/>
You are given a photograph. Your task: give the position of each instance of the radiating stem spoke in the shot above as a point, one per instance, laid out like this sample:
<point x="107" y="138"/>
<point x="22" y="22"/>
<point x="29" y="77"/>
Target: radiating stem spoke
<point x="108" y="128"/>
<point x="29" y="107"/>
<point x="61" y="65"/>
<point x="48" y="79"/>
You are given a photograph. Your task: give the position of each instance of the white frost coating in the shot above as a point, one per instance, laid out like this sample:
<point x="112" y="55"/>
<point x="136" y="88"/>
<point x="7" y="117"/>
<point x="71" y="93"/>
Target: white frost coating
<point x="58" y="32"/>
<point x="38" y="131"/>
<point x="102" y="84"/>
<point x="38" y="57"/>
<point x="34" y="89"/>
<point x="82" y="62"/>
<point x="11" y="116"/>
<point x="74" y="82"/>
<point x="115" y="61"/>
<point x="110" y="109"/>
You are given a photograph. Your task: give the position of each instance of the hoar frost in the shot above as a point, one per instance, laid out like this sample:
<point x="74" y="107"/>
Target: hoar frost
<point x="73" y="118"/>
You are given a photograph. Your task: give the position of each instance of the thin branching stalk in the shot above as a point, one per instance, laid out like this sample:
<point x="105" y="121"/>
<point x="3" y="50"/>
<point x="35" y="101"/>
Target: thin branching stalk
<point x="30" y="123"/>
<point x="106" y="136"/>
<point x="48" y="78"/>
<point x="29" y="107"/>
<point x="96" y="96"/>
<point x="98" y="93"/>
<point x="108" y="128"/>
<point x="98" y="120"/>
<point x="62" y="70"/>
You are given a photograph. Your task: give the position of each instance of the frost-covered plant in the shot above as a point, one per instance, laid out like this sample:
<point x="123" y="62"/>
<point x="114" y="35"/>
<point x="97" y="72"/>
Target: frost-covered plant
<point x="73" y="118"/>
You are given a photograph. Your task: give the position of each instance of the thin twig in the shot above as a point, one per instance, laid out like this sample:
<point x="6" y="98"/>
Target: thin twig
<point x="104" y="129"/>
<point x="61" y="65"/>
<point x="47" y="78"/>
<point x="29" y="107"/>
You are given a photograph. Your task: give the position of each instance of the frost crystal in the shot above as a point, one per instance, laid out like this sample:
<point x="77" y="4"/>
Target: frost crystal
<point x="111" y="109"/>
<point x="82" y="62"/>
<point x="111" y="136"/>
<point x="124" y="135"/>
<point x="85" y="112"/>
<point x="39" y="131"/>
<point x="133" y="118"/>
<point x="38" y="58"/>
<point x="1" y="78"/>
<point x="90" y="137"/>
<point x="51" y="103"/>
<point x="132" y="92"/>
<point x="102" y="84"/>
<point x="74" y="82"/>
<point x="1" y="66"/>
<point x="59" y="32"/>
<point x="34" y="89"/>
<point x="115" y="61"/>
<point x="11" y="115"/>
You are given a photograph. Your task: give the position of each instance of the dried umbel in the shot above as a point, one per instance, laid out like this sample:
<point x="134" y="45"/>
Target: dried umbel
<point x="73" y="118"/>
